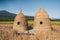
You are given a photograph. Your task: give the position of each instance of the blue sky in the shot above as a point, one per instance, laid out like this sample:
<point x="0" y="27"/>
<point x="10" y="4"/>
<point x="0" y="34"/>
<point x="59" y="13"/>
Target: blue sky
<point x="30" y="7"/>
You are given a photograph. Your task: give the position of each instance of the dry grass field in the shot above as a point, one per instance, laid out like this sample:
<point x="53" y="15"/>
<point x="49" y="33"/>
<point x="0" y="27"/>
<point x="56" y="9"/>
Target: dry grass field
<point x="31" y="23"/>
<point x="6" y="32"/>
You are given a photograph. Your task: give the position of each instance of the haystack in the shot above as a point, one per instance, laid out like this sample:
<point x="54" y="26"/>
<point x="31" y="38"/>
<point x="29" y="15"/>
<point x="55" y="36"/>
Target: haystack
<point x="43" y="28"/>
<point x="41" y="21"/>
<point x="20" y="23"/>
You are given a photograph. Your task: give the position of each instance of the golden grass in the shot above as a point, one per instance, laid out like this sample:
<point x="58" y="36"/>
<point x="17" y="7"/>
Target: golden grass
<point x="7" y="32"/>
<point x="55" y="22"/>
<point x="32" y="22"/>
<point x="6" y="22"/>
<point x="52" y="22"/>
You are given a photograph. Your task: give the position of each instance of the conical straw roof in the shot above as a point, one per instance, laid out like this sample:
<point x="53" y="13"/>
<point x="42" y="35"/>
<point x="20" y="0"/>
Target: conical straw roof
<point x="41" y="13"/>
<point x="20" y="15"/>
<point x="20" y="22"/>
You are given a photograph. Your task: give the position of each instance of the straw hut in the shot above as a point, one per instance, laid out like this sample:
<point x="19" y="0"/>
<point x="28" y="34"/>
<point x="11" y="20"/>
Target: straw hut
<point x="20" y="23"/>
<point x="43" y="28"/>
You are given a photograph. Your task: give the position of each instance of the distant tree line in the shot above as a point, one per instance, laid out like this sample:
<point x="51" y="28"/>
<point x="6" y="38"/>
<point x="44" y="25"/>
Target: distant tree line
<point x="55" y="19"/>
<point x="6" y="18"/>
<point x="30" y="18"/>
<point x="10" y="18"/>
